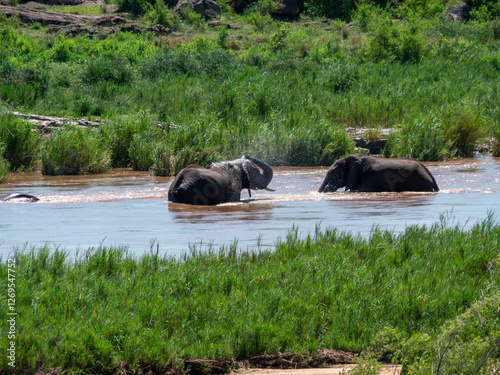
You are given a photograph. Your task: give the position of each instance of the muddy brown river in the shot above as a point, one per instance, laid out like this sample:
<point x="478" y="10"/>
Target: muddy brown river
<point x="131" y="209"/>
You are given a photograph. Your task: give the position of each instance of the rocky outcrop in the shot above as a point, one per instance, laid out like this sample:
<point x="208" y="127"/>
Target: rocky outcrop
<point x="28" y="15"/>
<point x="458" y="12"/>
<point x="287" y="9"/>
<point x="208" y="9"/>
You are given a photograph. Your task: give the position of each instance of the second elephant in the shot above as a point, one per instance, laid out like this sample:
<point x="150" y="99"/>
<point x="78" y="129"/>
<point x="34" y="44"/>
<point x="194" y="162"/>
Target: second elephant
<point x="370" y="174"/>
<point x="220" y="182"/>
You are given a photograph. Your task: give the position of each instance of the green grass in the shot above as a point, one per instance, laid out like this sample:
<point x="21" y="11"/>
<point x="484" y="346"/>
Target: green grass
<point x="20" y="143"/>
<point x="72" y="150"/>
<point x="329" y="290"/>
<point x="283" y="93"/>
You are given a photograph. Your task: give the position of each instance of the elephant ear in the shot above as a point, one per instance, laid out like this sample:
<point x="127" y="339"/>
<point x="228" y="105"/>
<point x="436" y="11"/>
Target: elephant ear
<point x="257" y="174"/>
<point x="354" y="170"/>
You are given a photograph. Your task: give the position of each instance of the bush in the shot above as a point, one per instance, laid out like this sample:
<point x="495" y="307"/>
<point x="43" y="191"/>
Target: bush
<point x="422" y="141"/>
<point x="468" y="344"/>
<point x="463" y="132"/>
<point x="331" y="8"/>
<point x="142" y="150"/>
<point x="162" y="160"/>
<point x="72" y="150"/>
<point x="159" y="15"/>
<point x="22" y="85"/>
<point x="119" y="136"/>
<point x="4" y="168"/>
<point x="20" y="143"/>
<point x="98" y="70"/>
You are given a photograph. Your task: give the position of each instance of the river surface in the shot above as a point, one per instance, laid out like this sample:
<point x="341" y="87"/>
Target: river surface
<point x="130" y="208"/>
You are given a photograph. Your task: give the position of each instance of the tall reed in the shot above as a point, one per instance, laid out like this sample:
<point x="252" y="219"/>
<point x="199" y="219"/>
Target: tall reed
<point x="73" y="150"/>
<point x="331" y="290"/>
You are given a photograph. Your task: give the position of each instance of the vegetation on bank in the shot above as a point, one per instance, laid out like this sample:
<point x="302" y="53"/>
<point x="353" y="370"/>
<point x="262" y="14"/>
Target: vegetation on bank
<point x="282" y="92"/>
<point x="422" y="297"/>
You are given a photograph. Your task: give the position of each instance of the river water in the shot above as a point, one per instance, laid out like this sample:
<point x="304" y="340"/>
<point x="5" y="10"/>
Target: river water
<point x="130" y="208"/>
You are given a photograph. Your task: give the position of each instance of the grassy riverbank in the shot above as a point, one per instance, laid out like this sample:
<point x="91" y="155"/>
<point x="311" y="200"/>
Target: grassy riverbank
<point x="396" y="293"/>
<point x="282" y="92"/>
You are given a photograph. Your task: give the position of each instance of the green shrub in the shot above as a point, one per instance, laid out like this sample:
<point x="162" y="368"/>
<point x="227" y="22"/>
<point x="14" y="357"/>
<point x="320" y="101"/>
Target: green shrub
<point x="162" y="160"/>
<point x="266" y="6"/>
<point x="331" y="8"/>
<point x="419" y="140"/>
<point x="158" y="14"/>
<point x="107" y="69"/>
<point x="496" y="142"/>
<point x="189" y="15"/>
<point x="4" y="167"/>
<point x="193" y="155"/>
<point x="463" y="132"/>
<point x="22" y="85"/>
<point x="20" y="143"/>
<point x="72" y="150"/>
<point x="118" y="135"/>
<point x="142" y="150"/>
<point x="468" y="344"/>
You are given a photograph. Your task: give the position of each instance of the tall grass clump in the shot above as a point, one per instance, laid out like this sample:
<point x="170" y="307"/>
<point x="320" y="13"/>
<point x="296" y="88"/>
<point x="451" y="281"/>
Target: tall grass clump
<point x="463" y="131"/>
<point x="467" y="344"/>
<point x="72" y="150"/>
<point x="328" y="290"/>
<point x="20" y="143"/>
<point x="4" y="167"/>
<point x="424" y="141"/>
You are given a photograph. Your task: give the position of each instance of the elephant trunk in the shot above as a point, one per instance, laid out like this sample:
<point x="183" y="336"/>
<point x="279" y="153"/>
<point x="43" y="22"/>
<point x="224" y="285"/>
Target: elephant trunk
<point x="259" y="177"/>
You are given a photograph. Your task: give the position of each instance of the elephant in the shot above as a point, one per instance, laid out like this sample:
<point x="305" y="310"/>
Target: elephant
<point x="19" y="197"/>
<point x="373" y="174"/>
<point x="219" y="183"/>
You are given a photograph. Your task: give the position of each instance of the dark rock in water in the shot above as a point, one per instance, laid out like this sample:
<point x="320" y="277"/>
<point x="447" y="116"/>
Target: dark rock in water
<point x="19" y="197"/>
<point x="374" y="147"/>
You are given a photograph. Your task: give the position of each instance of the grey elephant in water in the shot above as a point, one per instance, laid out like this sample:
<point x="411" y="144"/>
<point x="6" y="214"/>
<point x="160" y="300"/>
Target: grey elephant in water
<point x="19" y="197"/>
<point x="220" y="182"/>
<point x="370" y="174"/>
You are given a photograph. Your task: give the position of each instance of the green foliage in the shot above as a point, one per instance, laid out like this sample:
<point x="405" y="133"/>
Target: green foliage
<point x="423" y="141"/>
<point x="63" y="49"/>
<point x="278" y="39"/>
<point x="22" y="84"/>
<point x="258" y="20"/>
<point x="162" y="160"/>
<point x="468" y="344"/>
<point x="414" y="9"/>
<point x="72" y="150"/>
<point x="463" y="131"/>
<point x="99" y="70"/>
<point x="496" y="142"/>
<point x="189" y="15"/>
<point x="20" y="144"/>
<point x="137" y="7"/>
<point x="142" y="150"/>
<point x="328" y="290"/>
<point x="265" y="7"/>
<point x="4" y="167"/>
<point x="158" y="14"/>
<point x="331" y="8"/>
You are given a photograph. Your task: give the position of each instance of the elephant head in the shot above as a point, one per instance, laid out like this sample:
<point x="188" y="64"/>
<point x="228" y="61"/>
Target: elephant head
<point x="344" y="172"/>
<point x="257" y="174"/>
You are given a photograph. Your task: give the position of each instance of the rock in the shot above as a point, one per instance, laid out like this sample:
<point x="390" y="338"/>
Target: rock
<point x="28" y="15"/>
<point x="458" y="12"/>
<point x="208" y="9"/>
<point x="287" y="9"/>
<point x="219" y="23"/>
